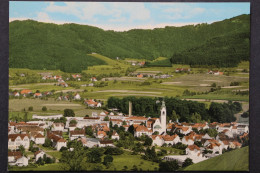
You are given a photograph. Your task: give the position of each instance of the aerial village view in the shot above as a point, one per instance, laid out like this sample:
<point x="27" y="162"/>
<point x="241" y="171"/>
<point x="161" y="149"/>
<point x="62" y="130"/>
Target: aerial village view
<point x="97" y="86"/>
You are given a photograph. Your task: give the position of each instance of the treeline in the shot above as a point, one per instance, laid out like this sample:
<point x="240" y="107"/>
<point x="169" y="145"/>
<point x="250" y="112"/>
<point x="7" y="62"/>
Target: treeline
<point x="37" y="45"/>
<point x="223" y="51"/>
<point x="150" y="107"/>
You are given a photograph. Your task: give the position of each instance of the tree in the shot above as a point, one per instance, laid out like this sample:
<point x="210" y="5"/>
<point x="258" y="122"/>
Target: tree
<point x="74" y="122"/>
<point x="47" y="143"/>
<point x="44" y="108"/>
<point x="175" y="117"/>
<point x="155" y="133"/>
<point x="187" y="162"/>
<point x="106" y="118"/>
<point x="86" y="115"/>
<point x="195" y="118"/>
<point x="94" y="156"/>
<point x="22" y="149"/>
<point x="74" y="159"/>
<point x="25" y="116"/>
<point x="108" y="159"/>
<point x="213" y="85"/>
<point x="169" y="166"/>
<point x="30" y="108"/>
<point x="124" y="123"/>
<point x="148" y="141"/>
<point x="89" y="131"/>
<point x="68" y="113"/>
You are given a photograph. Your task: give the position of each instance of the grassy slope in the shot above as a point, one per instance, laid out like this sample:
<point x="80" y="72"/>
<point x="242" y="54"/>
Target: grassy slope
<point x="237" y="160"/>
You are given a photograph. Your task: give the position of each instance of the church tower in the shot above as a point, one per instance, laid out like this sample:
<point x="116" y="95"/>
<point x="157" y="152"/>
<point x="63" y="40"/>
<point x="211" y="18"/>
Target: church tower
<point x="163" y="117"/>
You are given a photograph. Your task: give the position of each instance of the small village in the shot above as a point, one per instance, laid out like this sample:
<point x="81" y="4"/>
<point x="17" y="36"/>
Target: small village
<point x="198" y="141"/>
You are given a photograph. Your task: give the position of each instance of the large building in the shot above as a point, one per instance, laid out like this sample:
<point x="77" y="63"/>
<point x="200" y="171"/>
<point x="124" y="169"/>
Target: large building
<point x="160" y="124"/>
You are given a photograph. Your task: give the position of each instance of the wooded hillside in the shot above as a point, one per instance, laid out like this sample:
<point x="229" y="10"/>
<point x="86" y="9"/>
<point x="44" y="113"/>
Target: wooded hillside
<point x="37" y="45"/>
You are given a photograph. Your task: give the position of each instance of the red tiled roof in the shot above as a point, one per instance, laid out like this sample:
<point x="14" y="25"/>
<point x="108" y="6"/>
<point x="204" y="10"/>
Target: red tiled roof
<point x="141" y="128"/>
<point x="193" y="147"/>
<point x="14" y="136"/>
<point x="25" y="91"/>
<point x="136" y="118"/>
<point x="101" y="133"/>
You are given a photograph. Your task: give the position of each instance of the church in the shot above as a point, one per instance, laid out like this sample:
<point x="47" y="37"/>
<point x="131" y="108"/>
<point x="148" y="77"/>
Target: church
<point x="160" y="123"/>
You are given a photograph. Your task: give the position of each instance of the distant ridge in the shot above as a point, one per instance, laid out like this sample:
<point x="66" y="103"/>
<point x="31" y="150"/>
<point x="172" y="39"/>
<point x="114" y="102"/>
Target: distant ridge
<point x="37" y="45"/>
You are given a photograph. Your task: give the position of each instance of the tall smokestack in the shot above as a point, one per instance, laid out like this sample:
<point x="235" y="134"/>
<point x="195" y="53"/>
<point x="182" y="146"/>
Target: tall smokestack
<point x="130" y="109"/>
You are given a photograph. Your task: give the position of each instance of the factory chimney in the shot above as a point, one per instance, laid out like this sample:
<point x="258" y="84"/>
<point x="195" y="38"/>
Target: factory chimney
<point x="130" y="109"/>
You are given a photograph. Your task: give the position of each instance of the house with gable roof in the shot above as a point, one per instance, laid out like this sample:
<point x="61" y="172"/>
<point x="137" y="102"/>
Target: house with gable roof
<point x="193" y="150"/>
<point x="39" y="154"/>
<point x="15" y="140"/>
<point x="188" y="140"/>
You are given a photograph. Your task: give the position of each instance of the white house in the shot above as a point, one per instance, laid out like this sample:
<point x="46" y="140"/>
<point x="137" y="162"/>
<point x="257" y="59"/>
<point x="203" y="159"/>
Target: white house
<point x="174" y="139"/>
<point x="185" y="130"/>
<point x="77" y="134"/>
<point x="157" y="140"/>
<point x="115" y="135"/>
<point x="105" y="143"/>
<point x="216" y="148"/>
<point x="22" y="161"/>
<point x="38" y="154"/>
<point x="188" y="140"/>
<point x="57" y="127"/>
<point x="142" y="130"/>
<point x="39" y="139"/>
<point x="101" y="134"/>
<point x="15" y="140"/>
<point x="16" y="94"/>
<point x="193" y="150"/>
<point x="13" y="155"/>
<point x="206" y="136"/>
<point x="77" y="97"/>
<point x="37" y="95"/>
<point x="242" y="129"/>
<point x="57" y="141"/>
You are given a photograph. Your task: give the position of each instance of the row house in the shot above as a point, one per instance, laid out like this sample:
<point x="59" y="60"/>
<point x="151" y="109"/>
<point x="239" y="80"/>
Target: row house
<point x="15" y="140"/>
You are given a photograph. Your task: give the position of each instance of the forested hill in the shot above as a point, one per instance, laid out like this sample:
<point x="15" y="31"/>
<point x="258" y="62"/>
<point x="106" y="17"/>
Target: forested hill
<point x="37" y="45"/>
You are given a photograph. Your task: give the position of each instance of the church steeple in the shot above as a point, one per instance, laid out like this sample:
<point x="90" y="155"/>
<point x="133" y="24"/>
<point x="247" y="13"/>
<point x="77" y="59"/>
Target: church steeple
<point x="163" y="117"/>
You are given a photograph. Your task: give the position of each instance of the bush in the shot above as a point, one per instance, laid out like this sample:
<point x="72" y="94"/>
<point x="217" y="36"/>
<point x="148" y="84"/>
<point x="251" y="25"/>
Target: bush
<point x="187" y="162"/>
<point x="30" y="108"/>
<point x="68" y="113"/>
<point x="44" y="108"/>
<point x="169" y="166"/>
